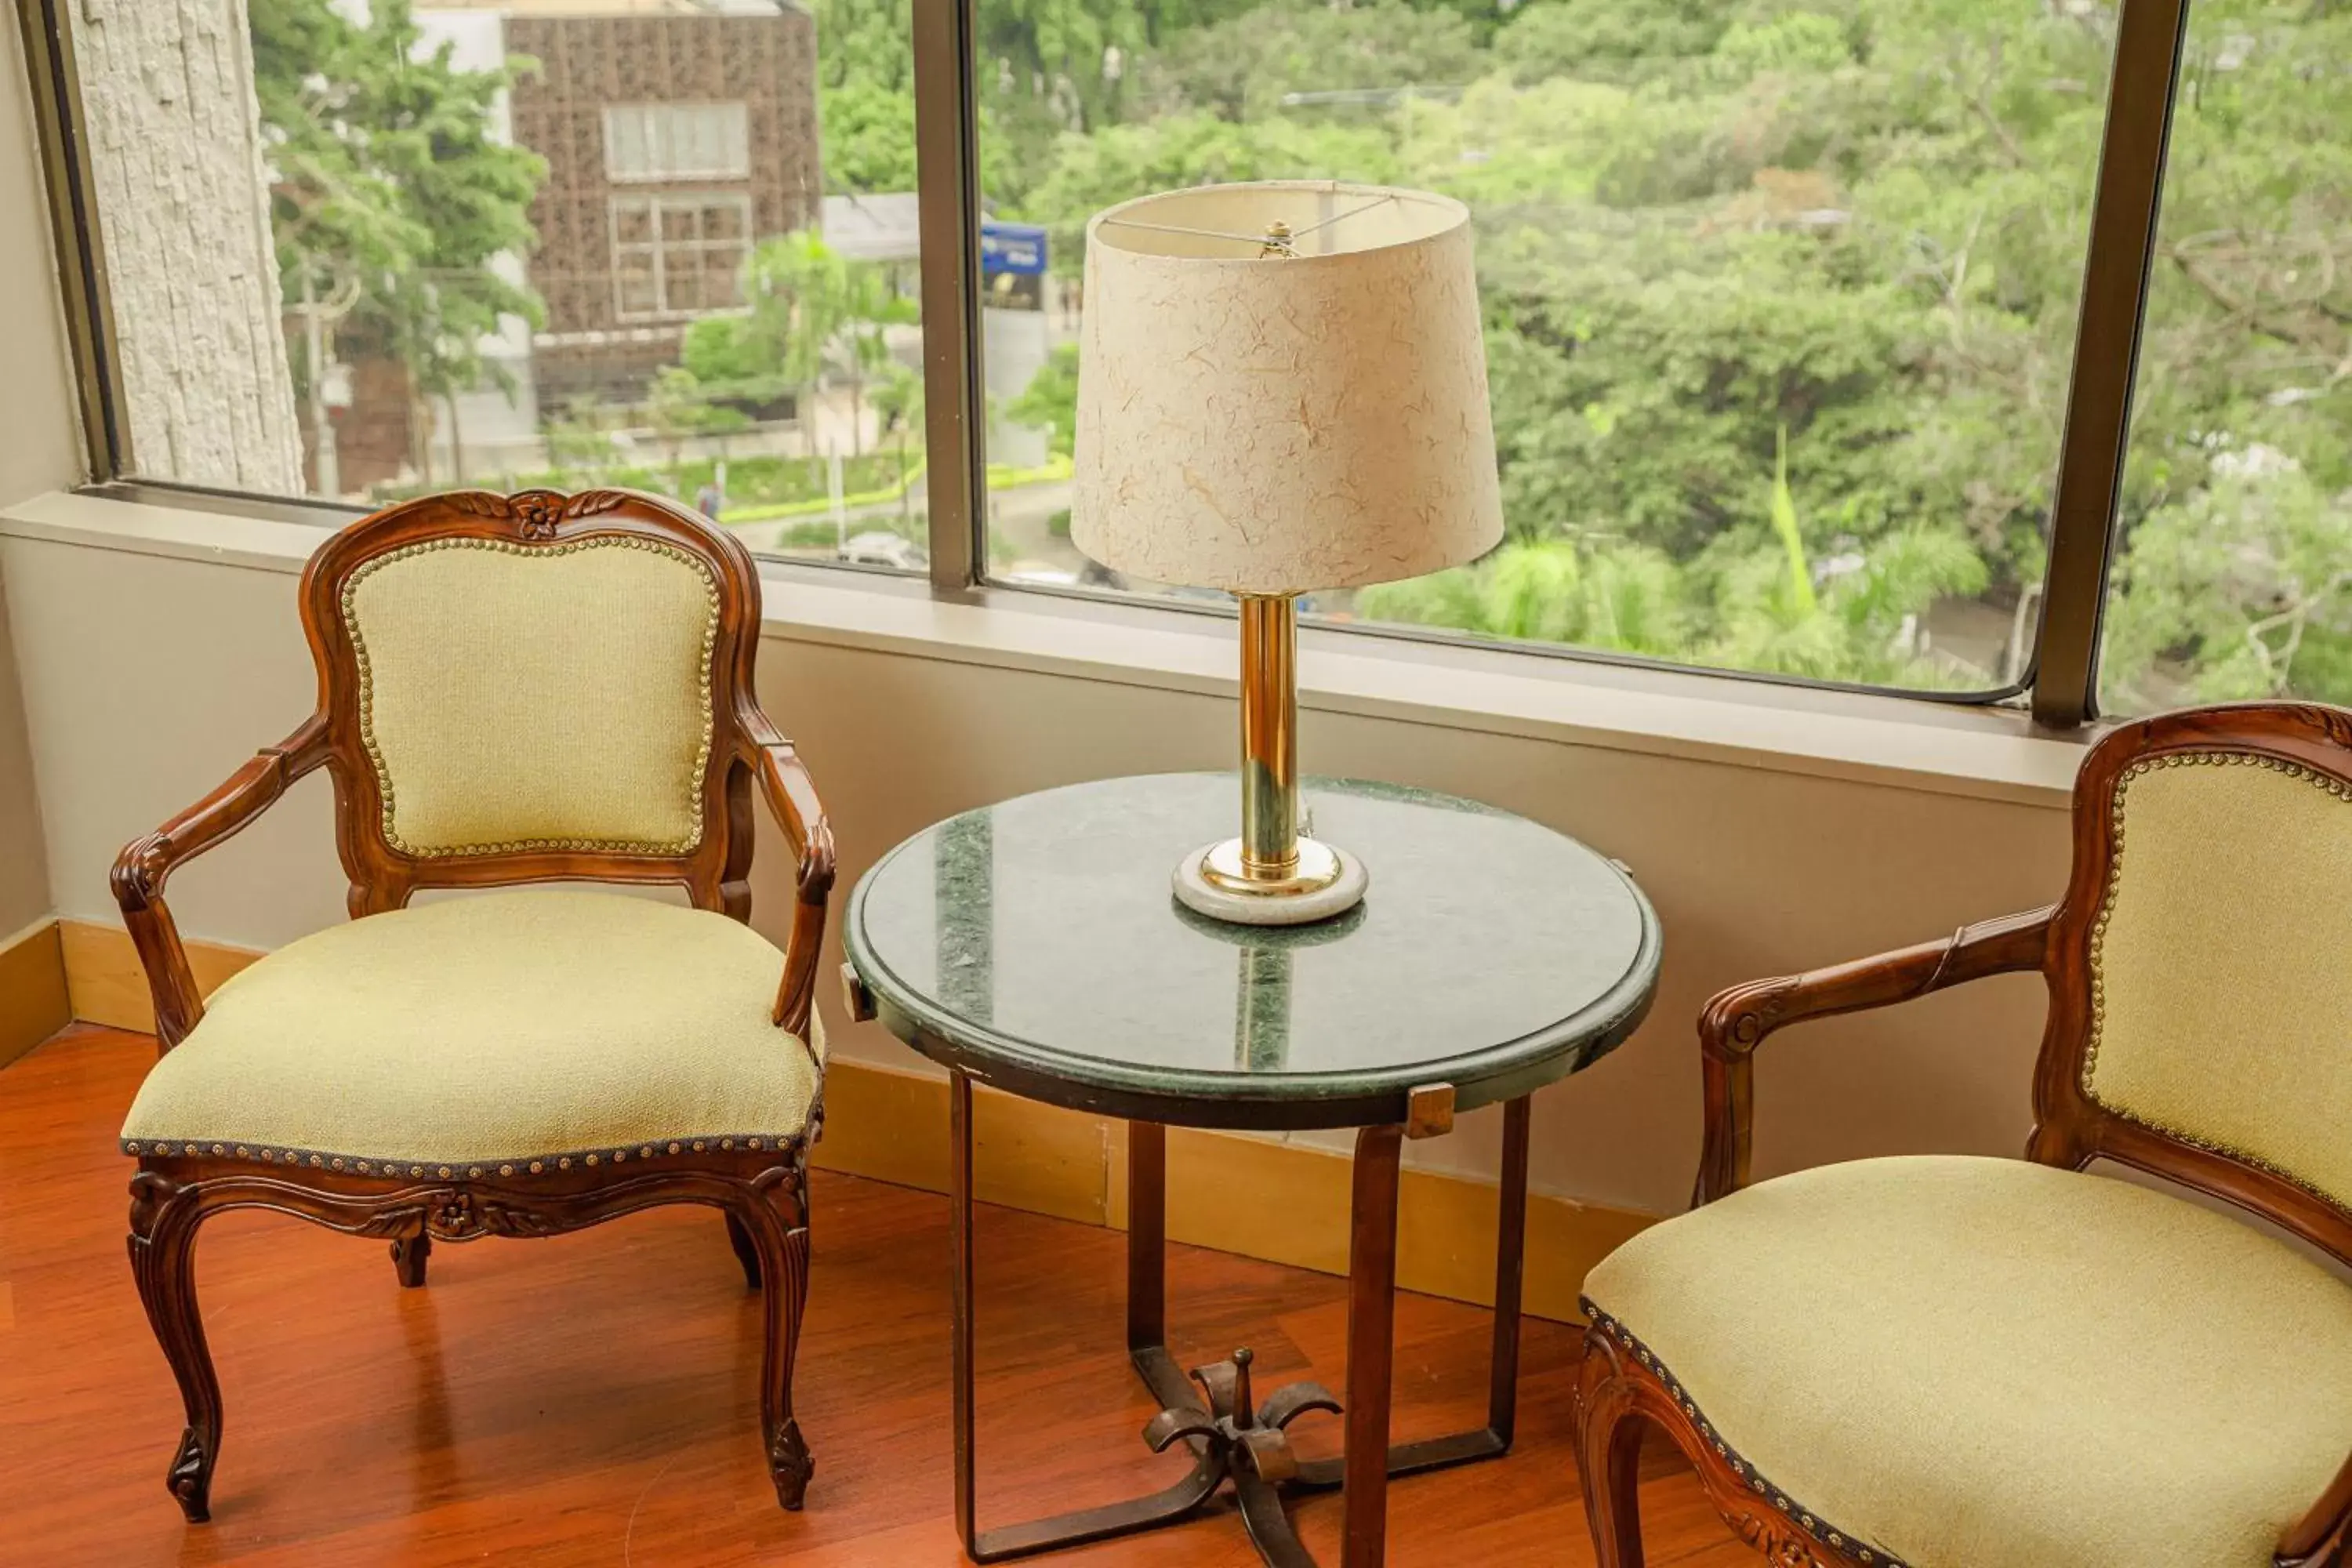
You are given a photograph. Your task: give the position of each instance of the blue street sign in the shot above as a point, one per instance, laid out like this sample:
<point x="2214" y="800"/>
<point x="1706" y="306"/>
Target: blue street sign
<point x="1015" y="248"/>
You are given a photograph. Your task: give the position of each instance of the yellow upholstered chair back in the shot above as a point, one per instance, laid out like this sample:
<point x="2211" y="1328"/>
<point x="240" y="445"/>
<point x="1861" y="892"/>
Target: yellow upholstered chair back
<point x="532" y="687"/>
<point x="2201" y="973"/>
<point x="2222" y="967"/>
<point x="519" y="697"/>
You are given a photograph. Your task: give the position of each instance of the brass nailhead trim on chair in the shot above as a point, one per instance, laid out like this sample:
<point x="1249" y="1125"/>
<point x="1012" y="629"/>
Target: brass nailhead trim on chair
<point x="1837" y="1540"/>
<point x="519" y="846"/>
<point x="472" y="1170"/>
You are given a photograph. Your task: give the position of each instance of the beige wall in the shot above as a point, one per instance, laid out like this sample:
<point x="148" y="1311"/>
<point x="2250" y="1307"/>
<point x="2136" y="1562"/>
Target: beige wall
<point x="24" y="864"/>
<point x="1754" y="871"/>
<point x="39" y="450"/>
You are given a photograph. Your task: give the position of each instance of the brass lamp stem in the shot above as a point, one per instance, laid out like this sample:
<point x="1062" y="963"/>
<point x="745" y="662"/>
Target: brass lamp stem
<point x="1269" y="736"/>
<point x="1270" y="875"/>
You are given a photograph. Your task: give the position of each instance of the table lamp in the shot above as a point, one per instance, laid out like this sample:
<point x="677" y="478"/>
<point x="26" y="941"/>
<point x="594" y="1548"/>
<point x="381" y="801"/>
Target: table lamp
<point x="1281" y="388"/>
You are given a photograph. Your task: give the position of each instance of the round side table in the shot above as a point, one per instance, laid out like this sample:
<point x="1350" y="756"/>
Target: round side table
<point x="1034" y="946"/>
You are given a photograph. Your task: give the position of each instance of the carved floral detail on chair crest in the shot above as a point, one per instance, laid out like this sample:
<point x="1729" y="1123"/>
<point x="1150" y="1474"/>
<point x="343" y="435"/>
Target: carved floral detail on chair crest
<point x="538" y="512"/>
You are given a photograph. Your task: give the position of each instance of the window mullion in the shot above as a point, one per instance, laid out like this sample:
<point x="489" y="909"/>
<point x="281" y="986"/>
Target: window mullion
<point x="2149" y="37"/>
<point x="947" y="162"/>
<point x="81" y="246"/>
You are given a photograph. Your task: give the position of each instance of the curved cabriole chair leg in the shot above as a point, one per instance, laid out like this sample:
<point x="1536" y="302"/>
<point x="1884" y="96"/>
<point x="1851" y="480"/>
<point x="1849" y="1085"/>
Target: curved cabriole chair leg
<point x="746" y="1252"/>
<point x="1611" y="1503"/>
<point x="163" y="1220"/>
<point x="1609" y="1430"/>
<point x="773" y="1223"/>
<point x="408" y="1256"/>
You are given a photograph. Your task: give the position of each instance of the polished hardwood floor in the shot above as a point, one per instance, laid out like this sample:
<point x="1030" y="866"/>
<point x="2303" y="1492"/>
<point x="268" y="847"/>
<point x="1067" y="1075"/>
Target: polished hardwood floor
<point x="591" y="1400"/>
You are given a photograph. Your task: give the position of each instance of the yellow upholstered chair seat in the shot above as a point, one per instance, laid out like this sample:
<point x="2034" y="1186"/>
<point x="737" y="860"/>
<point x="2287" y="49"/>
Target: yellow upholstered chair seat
<point x="549" y="1026"/>
<point x="1985" y="1363"/>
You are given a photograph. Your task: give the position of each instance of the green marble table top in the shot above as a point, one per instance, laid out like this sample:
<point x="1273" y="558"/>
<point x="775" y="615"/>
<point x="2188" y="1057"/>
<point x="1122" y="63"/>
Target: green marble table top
<point x="1036" y="945"/>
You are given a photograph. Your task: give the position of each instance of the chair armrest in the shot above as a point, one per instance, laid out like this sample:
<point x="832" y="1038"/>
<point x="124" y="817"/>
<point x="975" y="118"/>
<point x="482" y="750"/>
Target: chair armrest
<point x="1738" y="1020"/>
<point x="2318" y="1539"/>
<point x="792" y="795"/>
<point x="147" y="863"/>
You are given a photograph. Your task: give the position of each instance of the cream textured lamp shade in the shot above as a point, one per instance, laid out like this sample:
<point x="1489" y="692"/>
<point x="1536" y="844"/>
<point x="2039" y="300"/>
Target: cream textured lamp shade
<point x="1274" y="424"/>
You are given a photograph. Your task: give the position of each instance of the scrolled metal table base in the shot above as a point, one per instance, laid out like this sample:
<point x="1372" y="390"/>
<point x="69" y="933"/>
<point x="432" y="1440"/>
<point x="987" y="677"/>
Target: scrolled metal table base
<point x="1236" y="1440"/>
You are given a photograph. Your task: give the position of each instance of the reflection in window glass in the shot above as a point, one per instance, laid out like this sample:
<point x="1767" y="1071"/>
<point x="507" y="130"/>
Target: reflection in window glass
<point x="2233" y="573"/>
<point x="1779" y="295"/>
<point x="616" y="265"/>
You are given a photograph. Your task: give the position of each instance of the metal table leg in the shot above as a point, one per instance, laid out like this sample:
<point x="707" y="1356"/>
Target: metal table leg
<point x="1147" y="1262"/>
<point x="1371" y="1334"/>
<point x="1061" y="1530"/>
<point x="1372" y="1345"/>
<point x="1493" y="1439"/>
<point x="959" y="1230"/>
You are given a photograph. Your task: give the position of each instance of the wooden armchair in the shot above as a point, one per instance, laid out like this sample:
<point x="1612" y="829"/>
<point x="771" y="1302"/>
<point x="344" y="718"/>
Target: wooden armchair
<point x="522" y="690"/>
<point x="1993" y="1363"/>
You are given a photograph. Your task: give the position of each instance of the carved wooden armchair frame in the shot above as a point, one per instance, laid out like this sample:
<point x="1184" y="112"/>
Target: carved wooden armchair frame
<point x="761" y="1190"/>
<point x="1619" y="1391"/>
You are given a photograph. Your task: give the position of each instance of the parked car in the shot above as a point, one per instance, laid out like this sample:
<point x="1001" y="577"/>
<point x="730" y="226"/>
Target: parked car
<point x="879" y="548"/>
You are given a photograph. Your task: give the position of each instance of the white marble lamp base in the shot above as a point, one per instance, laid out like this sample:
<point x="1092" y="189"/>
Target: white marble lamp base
<point x="1217" y="899"/>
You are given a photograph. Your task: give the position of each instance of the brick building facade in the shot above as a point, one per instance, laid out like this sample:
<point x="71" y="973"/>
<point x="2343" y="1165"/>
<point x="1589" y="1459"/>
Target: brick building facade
<point x="675" y="138"/>
<point x="677" y="134"/>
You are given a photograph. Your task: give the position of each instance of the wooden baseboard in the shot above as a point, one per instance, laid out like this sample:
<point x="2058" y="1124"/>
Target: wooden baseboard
<point x="33" y="994"/>
<point x="108" y="986"/>
<point x="892" y="1125"/>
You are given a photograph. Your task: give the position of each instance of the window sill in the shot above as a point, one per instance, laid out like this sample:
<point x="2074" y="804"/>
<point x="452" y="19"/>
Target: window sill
<point x="1992" y="753"/>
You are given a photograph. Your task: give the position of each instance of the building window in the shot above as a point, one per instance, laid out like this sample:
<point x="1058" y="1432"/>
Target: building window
<point x="680" y="254"/>
<point x="676" y="141"/>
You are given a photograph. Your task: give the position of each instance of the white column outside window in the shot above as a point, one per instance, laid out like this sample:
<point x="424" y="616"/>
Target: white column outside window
<point x="176" y="155"/>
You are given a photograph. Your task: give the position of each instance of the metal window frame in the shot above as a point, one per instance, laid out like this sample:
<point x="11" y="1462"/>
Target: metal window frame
<point x="2142" y="86"/>
<point x="947" y="188"/>
<point x="2061" y="678"/>
<point x="79" y="247"/>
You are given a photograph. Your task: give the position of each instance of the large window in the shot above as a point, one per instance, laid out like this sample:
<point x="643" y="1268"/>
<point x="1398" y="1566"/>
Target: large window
<point x="1814" y="327"/>
<point x="2234" y="573"/>
<point x="1779" y="297"/>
